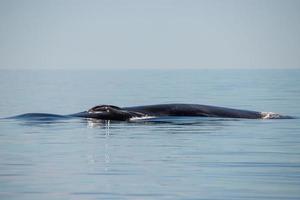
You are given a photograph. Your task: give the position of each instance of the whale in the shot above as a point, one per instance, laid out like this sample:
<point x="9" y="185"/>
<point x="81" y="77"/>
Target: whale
<point x="115" y="113"/>
<point x="111" y="112"/>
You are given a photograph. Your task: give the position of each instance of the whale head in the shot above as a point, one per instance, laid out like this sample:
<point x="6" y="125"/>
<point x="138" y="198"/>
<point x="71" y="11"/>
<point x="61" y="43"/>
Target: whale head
<point x="108" y="112"/>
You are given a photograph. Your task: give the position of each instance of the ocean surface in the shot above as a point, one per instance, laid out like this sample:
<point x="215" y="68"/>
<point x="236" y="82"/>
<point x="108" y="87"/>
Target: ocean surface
<point x="180" y="158"/>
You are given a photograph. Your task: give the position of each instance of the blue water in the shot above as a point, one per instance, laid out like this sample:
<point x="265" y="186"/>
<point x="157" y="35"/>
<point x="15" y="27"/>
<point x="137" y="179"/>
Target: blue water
<point x="184" y="158"/>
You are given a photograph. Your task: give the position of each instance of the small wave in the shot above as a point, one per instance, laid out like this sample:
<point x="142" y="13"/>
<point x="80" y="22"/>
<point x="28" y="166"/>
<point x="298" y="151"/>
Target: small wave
<point x="272" y="115"/>
<point x="142" y="118"/>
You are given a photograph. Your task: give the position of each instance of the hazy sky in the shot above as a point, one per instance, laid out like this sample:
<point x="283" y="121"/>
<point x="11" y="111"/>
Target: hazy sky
<point x="75" y="34"/>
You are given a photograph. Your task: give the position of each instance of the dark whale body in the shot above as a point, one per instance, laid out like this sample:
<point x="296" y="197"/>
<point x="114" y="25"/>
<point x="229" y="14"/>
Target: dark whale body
<point x="110" y="112"/>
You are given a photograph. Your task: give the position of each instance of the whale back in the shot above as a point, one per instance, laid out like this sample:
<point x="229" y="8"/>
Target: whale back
<point x="194" y="110"/>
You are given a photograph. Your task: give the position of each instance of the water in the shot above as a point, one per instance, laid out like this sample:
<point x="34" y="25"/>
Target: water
<point x="183" y="158"/>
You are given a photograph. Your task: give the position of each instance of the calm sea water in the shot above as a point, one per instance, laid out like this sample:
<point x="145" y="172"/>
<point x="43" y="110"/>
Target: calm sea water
<point x="184" y="158"/>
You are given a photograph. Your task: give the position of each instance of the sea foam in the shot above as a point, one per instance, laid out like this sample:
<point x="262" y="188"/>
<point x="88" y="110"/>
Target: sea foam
<point x="272" y="115"/>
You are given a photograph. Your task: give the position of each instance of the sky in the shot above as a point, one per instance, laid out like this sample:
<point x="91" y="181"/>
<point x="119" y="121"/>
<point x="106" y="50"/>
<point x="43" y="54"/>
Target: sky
<point x="168" y="34"/>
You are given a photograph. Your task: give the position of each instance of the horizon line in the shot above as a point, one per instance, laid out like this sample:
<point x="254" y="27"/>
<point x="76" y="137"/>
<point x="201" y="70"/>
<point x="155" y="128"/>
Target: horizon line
<point x="155" y="68"/>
